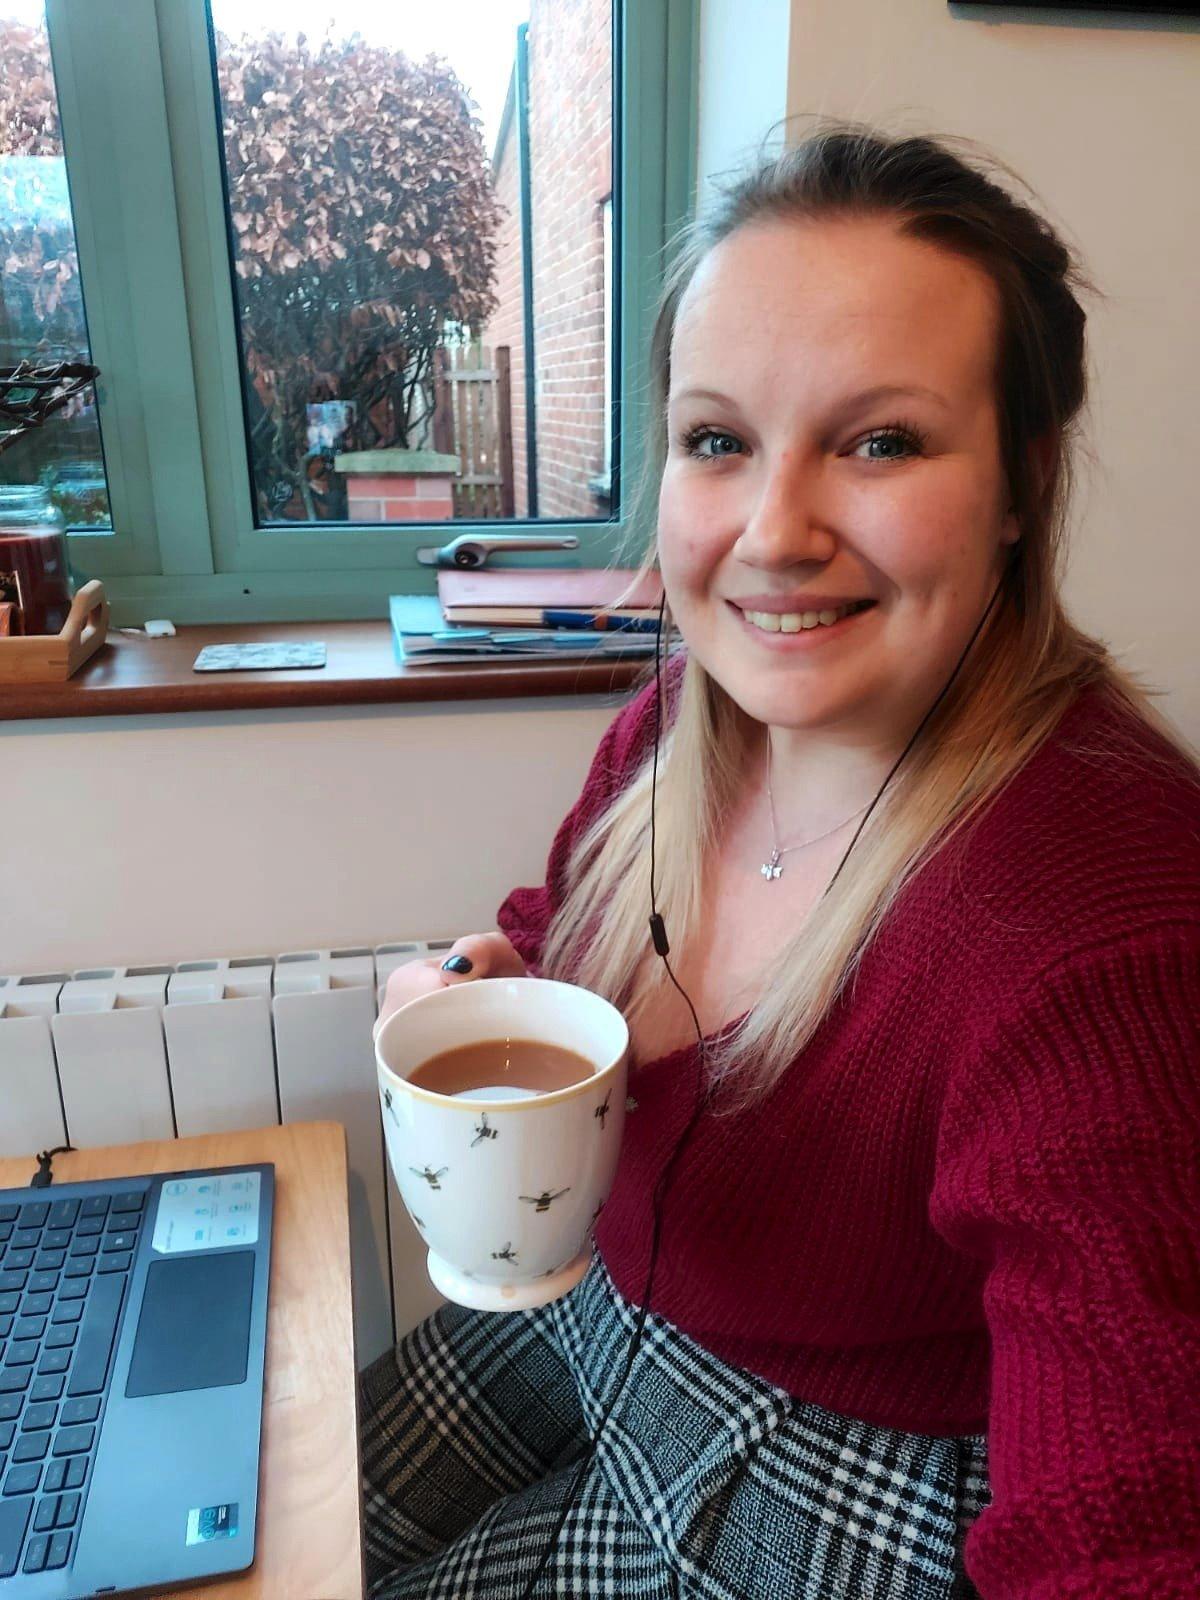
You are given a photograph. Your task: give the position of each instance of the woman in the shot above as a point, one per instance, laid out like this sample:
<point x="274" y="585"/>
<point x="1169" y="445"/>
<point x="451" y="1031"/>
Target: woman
<point x="924" y="1321"/>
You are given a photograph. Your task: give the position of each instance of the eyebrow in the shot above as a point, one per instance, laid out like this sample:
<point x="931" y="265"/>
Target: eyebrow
<point x="853" y="402"/>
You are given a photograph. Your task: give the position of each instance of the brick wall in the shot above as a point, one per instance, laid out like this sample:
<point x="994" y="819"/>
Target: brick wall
<point x="570" y="136"/>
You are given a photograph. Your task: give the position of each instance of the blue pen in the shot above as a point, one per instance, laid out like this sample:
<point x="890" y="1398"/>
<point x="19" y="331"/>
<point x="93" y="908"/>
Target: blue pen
<point x="608" y="623"/>
<point x="542" y="641"/>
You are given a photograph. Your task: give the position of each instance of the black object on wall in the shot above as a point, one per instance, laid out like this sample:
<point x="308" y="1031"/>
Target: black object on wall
<point x="1158" y="8"/>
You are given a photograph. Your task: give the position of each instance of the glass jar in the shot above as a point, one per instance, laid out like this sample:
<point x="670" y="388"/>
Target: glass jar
<point x="35" y="579"/>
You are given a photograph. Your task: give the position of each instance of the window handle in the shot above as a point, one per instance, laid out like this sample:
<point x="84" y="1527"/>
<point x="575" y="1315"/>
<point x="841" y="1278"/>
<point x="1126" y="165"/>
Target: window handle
<point x="471" y="551"/>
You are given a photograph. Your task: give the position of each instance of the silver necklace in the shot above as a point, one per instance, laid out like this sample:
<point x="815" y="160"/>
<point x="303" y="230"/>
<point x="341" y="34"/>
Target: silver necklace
<point x="771" y="869"/>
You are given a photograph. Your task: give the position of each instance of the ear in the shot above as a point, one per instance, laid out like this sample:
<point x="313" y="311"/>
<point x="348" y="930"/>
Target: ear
<point x="1043" y="455"/>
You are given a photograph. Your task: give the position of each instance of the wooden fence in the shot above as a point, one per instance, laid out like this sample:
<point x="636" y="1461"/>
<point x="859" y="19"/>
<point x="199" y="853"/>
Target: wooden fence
<point x="472" y="419"/>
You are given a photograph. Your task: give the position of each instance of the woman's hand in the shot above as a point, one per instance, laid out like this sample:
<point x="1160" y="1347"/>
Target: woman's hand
<point x="485" y="955"/>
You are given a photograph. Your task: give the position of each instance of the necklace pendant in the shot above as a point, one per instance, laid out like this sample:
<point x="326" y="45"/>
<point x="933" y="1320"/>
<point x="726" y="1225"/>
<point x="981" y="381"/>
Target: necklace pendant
<point x="771" y="869"/>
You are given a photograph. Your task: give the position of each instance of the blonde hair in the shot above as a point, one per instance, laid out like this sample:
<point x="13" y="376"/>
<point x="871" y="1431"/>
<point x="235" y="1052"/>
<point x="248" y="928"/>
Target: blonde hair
<point x="1026" y="668"/>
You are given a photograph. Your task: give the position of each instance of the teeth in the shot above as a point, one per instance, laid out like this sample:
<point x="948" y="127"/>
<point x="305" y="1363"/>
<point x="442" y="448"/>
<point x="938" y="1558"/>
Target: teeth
<point x="797" y="621"/>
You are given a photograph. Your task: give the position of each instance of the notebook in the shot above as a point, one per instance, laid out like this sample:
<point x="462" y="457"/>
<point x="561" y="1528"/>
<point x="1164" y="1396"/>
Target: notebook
<point x="133" y="1319"/>
<point x="466" y="595"/>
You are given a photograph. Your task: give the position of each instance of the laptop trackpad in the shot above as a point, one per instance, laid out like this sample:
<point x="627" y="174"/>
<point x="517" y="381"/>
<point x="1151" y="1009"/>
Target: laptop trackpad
<point x="194" y="1328"/>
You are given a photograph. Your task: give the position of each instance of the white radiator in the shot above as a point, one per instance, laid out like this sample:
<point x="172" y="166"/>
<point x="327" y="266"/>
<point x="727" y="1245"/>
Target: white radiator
<point x="117" y="1055"/>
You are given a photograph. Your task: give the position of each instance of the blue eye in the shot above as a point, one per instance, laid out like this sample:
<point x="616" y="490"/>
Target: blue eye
<point x="902" y="436"/>
<point x="695" y="437"/>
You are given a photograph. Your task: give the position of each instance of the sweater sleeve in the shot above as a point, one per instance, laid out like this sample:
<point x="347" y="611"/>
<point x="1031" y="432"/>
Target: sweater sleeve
<point x="526" y="914"/>
<point x="1069" y="1164"/>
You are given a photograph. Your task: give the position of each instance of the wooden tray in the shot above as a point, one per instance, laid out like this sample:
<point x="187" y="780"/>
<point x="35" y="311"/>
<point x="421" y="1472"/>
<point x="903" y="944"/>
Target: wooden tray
<point x="50" y="657"/>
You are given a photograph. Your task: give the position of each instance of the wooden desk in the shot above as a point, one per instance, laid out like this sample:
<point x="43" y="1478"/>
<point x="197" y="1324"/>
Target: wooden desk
<point x="309" y="1540"/>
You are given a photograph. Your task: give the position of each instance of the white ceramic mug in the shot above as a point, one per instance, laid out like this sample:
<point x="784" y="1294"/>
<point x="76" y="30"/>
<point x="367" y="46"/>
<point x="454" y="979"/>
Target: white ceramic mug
<point x="504" y="1185"/>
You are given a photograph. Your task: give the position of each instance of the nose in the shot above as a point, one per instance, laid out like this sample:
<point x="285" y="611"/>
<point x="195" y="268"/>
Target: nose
<point x="786" y="525"/>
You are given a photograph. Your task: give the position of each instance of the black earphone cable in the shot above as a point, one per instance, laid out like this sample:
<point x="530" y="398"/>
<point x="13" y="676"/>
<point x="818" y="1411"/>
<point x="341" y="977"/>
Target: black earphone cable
<point x="920" y="725"/>
<point x="702" y="1091"/>
<point x="43" y="1177"/>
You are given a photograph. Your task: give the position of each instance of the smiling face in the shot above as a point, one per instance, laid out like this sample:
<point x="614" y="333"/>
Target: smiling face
<point x="790" y="487"/>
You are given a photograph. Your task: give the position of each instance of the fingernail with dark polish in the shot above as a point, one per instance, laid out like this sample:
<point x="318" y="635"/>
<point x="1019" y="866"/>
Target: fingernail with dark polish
<point x="457" y="964"/>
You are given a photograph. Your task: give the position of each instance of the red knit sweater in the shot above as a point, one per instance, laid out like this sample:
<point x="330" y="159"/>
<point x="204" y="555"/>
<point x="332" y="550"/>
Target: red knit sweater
<point x="973" y="1203"/>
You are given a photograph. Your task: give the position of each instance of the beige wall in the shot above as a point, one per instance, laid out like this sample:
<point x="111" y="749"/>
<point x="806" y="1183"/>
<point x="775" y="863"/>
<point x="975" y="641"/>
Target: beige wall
<point x="1104" y="123"/>
<point x="743" y="85"/>
<point x="136" y="840"/>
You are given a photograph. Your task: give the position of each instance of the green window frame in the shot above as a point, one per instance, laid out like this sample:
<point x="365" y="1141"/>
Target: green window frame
<point x="141" y="140"/>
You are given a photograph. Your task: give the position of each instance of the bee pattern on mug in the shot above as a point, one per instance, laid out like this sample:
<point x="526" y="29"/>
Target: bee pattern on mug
<point x="387" y="1100"/>
<point x="507" y="1254"/>
<point x="483" y="1130"/>
<point x="542" y="1202"/>
<point x="602" y="1111"/>
<point x="420" y="1221"/>
<point x="431" y="1177"/>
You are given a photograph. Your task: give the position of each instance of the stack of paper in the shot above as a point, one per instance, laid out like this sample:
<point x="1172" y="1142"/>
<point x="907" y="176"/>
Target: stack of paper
<point x="535" y="614"/>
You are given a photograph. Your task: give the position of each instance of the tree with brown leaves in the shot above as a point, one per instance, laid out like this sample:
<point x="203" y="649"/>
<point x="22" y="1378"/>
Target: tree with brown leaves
<point x="41" y="309"/>
<point x="364" y="224"/>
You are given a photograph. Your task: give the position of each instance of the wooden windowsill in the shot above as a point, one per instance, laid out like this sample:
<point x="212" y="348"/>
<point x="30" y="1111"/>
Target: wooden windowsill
<point x="133" y="675"/>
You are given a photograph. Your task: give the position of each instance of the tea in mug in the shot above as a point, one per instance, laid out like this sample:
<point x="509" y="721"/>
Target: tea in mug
<point x="515" y="1068"/>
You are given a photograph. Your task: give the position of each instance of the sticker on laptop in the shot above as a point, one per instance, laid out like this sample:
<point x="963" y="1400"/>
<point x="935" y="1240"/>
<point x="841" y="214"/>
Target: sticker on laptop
<point x="210" y="1212"/>
<point x="212" y="1522"/>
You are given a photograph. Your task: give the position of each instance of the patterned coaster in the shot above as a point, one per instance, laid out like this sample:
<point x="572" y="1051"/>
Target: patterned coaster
<point x="259" y="657"/>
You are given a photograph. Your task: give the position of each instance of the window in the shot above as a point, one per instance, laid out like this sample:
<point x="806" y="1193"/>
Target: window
<point x="603" y="484"/>
<point x="41" y="301"/>
<point x="360" y="277"/>
<point x="415" y="204"/>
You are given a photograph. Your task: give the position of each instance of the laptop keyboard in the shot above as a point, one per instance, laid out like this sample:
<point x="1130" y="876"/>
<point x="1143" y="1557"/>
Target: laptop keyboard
<point x="64" y="1265"/>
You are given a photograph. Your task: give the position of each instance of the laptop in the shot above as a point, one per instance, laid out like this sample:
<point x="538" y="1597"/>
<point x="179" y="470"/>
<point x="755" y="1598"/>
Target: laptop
<point x="133" y="1324"/>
